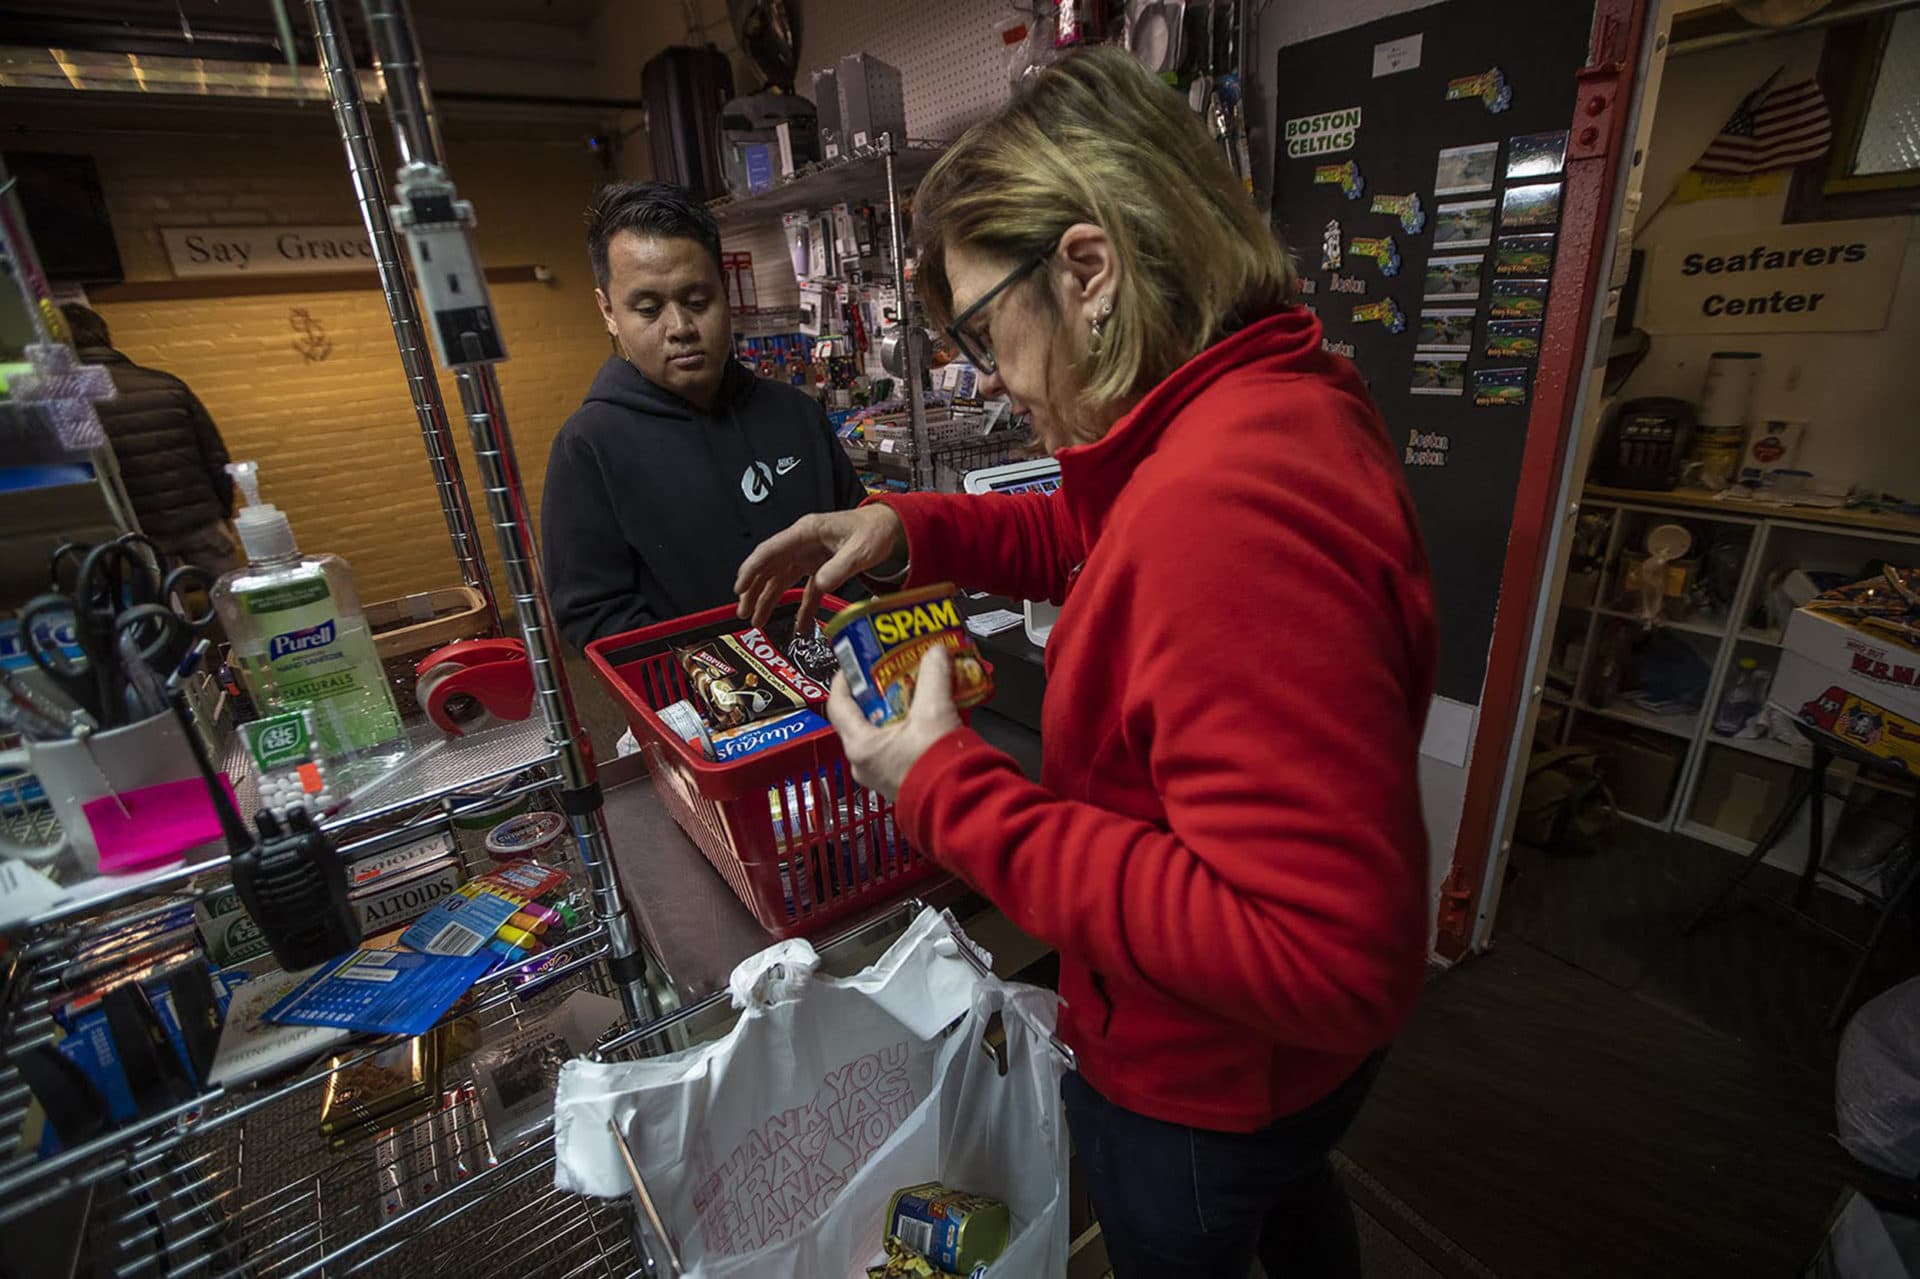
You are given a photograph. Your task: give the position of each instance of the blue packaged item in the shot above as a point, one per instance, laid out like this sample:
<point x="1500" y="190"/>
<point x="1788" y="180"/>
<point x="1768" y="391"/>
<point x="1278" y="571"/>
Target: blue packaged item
<point x="750" y="739"/>
<point x="385" y="991"/>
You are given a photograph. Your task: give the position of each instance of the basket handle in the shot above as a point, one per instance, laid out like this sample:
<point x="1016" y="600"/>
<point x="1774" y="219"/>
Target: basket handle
<point x="766" y="978"/>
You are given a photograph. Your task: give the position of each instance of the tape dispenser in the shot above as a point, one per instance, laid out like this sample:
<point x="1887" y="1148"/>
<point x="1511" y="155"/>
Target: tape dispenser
<point x="467" y="686"/>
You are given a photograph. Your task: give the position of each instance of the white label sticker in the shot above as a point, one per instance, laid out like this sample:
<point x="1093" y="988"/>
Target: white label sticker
<point x="1390" y="56"/>
<point x="859" y="140"/>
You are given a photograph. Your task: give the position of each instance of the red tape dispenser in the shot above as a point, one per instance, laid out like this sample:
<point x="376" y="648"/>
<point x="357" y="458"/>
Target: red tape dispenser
<point x="473" y="684"/>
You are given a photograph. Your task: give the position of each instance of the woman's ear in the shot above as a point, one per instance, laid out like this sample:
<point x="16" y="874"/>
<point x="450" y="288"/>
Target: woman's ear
<point x="1092" y="271"/>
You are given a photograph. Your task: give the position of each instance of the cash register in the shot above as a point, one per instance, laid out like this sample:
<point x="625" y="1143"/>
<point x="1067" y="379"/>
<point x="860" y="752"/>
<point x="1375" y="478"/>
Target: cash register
<point x="1041" y="475"/>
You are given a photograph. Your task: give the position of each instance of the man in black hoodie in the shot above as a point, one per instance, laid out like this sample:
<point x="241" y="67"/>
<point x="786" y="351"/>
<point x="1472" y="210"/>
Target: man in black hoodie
<point x="680" y="461"/>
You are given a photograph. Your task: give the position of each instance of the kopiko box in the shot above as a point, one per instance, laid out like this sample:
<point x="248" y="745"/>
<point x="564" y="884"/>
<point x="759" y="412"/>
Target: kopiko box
<point x="1857" y="676"/>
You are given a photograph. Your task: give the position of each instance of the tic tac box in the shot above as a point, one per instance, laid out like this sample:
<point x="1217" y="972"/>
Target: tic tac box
<point x="871" y="102"/>
<point x="1857" y="677"/>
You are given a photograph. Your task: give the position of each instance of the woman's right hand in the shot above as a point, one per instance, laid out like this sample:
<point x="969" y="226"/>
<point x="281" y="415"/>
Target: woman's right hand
<point x="827" y="550"/>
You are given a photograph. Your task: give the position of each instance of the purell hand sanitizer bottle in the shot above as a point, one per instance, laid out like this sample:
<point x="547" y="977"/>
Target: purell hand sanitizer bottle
<point x="300" y="640"/>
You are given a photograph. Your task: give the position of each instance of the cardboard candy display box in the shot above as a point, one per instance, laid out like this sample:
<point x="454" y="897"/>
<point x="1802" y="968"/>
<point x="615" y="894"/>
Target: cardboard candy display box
<point x="1851" y="665"/>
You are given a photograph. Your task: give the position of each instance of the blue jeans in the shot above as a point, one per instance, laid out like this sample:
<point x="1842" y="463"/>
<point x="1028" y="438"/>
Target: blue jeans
<point x="1175" y="1201"/>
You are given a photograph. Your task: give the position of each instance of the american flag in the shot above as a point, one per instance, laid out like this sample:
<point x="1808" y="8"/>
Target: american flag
<point x="1771" y="129"/>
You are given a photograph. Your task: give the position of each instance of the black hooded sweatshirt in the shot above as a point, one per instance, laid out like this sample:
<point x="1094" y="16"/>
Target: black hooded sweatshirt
<point x="651" y="504"/>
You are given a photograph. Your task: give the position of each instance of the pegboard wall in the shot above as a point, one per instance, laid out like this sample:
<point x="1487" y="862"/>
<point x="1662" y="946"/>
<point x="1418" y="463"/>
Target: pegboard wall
<point x="952" y="63"/>
<point x="953" y="69"/>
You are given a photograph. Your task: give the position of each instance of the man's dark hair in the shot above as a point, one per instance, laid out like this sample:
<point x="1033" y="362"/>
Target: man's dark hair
<point x="88" y="326"/>
<point x="647" y="208"/>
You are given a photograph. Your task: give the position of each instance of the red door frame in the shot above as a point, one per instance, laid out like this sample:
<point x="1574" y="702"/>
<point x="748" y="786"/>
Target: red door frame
<point x="1596" y="149"/>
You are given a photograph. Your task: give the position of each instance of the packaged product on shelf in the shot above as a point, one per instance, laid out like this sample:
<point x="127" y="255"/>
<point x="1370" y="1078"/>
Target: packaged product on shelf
<point x="685" y="721"/>
<point x="230" y="934"/>
<point x="390" y="889"/>
<point x="464" y="922"/>
<point x="288" y="768"/>
<point x="391" y="992"/>
<point x="251" y="1047"/>
<point x="528" y="835"/>
<point x="390" y="1172"/>
<point x="362" y="1097"/>
<point x="472" y="826"/>
<point x="515" y="1078"/>
<point x="300" y="639"/>
<point x="880" y="643"/>
<point x="954" y="1230"/>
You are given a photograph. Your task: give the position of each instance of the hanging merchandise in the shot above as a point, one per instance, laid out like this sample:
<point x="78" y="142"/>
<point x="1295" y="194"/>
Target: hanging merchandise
<point x="1153" y="34"/>
<point x="1513" y="339"/>
<point x="1465" y="225"/>
<point x="1530" y="206"/>
<point x="1330" y="259"/>
<point x="1436" y="373"/>
<point x="1490" y="86"/>
<point x="1530" y="255"/>
<point x="1382" y="249"/>
<point x="1466" y="170"/>
<point x="1412" y="214"/>
<point x="1079" y="22"/>
<point x="1446" y="329"/>
<point x="1453" y="279"/>
<point x="1504" y="388"/>
<point x="1386" y="312"/>
<point x="1345" y="175"/>
<point x="1536" y="155"/>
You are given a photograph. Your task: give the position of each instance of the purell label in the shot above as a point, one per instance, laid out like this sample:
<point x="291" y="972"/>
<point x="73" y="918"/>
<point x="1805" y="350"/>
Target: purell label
<point x="300" y="641"/>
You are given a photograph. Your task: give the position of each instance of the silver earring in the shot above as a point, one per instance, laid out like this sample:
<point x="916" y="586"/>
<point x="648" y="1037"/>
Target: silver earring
<point x="1096" y="338"/>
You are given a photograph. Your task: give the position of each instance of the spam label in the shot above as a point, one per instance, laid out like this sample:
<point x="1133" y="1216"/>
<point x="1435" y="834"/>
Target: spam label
<point x="881" y="642"/>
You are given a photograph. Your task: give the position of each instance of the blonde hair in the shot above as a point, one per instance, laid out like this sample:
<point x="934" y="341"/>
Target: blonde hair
<point x="1096" y="139"/>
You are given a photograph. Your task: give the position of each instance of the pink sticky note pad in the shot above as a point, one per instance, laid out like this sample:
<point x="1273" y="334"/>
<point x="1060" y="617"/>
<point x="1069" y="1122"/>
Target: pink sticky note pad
<point x="154" y="825"/>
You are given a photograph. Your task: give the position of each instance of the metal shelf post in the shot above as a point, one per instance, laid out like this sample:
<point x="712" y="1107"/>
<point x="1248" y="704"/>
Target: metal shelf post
<point x="370" y="193"/>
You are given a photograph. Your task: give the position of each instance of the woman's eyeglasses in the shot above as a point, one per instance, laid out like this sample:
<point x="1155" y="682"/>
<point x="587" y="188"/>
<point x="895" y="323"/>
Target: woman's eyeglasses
<point x="978" y="347"/>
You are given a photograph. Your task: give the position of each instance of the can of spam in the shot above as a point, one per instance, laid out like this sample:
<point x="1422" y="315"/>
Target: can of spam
<point x="879" y="643"/>
<point x="958" y="1232"/>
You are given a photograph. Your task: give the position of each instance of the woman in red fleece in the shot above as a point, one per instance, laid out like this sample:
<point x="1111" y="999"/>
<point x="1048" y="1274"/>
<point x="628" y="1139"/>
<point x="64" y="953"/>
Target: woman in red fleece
<point x="1225" y="844"/>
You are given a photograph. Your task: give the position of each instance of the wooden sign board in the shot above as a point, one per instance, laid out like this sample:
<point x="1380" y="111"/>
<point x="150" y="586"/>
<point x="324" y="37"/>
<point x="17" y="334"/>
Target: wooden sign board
<point x="1819" y="277"/>
<point x="266" y="250"/>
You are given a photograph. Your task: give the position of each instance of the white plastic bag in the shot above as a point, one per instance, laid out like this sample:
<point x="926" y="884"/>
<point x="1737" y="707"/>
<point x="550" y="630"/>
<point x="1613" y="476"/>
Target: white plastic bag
<point x="773" y="1152"/>
<point x="1876" y="1082"/>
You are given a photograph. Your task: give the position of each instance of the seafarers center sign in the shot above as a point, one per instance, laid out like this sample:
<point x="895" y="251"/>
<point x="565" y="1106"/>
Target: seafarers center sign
<point x="1822" y="277"/>
<point x="267" y="250"/>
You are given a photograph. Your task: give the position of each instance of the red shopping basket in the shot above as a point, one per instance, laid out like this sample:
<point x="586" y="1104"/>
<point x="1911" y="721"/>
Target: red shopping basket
<point x="801" y="843"/>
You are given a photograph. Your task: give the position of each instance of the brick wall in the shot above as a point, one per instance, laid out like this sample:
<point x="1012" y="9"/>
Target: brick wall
<point x="336" y="437"/>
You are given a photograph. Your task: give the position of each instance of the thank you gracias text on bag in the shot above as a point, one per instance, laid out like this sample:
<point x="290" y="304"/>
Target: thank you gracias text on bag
<point x="788" y="1170"/>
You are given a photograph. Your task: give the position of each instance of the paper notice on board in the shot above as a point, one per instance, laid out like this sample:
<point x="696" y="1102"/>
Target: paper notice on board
<point x="1390" y="56"/>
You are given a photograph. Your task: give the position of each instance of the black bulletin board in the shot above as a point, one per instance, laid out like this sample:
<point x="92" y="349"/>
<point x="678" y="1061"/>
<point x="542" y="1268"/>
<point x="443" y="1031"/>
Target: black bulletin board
<point x="1466" y="505"/>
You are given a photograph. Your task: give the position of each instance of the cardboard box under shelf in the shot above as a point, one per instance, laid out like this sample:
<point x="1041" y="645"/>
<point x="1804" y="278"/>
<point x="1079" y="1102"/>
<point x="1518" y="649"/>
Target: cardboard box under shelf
<point x="1740" y="793"/>
<point x="1641" y="767"/>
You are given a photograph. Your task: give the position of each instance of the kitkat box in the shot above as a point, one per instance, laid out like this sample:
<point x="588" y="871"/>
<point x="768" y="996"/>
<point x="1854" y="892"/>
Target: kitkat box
<point x="1851" y="665"/>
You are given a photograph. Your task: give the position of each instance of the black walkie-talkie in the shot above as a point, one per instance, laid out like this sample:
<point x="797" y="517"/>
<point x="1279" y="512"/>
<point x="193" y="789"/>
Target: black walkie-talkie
<point x="292" y="882"/>
<point x="294" y="885"/>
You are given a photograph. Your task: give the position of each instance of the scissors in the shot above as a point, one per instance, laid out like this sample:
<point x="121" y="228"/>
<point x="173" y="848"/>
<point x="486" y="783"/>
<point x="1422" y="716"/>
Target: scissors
<point x="122" y="611"/>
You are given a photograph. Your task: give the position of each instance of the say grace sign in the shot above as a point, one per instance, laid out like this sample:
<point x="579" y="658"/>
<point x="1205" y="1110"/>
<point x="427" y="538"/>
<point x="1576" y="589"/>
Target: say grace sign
<point x="267" y="250"/>
<point x="1811" y="278"/>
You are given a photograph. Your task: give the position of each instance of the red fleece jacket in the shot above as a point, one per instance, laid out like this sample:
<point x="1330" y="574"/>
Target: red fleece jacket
<point x="1225" y="844"/>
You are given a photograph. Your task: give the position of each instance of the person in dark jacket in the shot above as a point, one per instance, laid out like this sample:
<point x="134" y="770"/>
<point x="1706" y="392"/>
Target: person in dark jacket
<point x="680" y="460"/>
<point x="172" y="459"/>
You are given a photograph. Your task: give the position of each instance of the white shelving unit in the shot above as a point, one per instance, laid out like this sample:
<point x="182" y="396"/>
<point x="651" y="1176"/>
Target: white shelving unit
<point x="1774" y="539"/>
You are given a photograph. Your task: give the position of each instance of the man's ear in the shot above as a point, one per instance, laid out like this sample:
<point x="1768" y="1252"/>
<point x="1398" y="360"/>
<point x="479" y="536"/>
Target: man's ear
<point x="606" y="312"/>
<point x="1092" y="268"/>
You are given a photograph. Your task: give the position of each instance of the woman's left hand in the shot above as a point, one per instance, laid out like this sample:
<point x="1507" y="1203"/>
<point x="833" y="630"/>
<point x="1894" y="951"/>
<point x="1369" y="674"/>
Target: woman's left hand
<point x="882" y="757"/>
